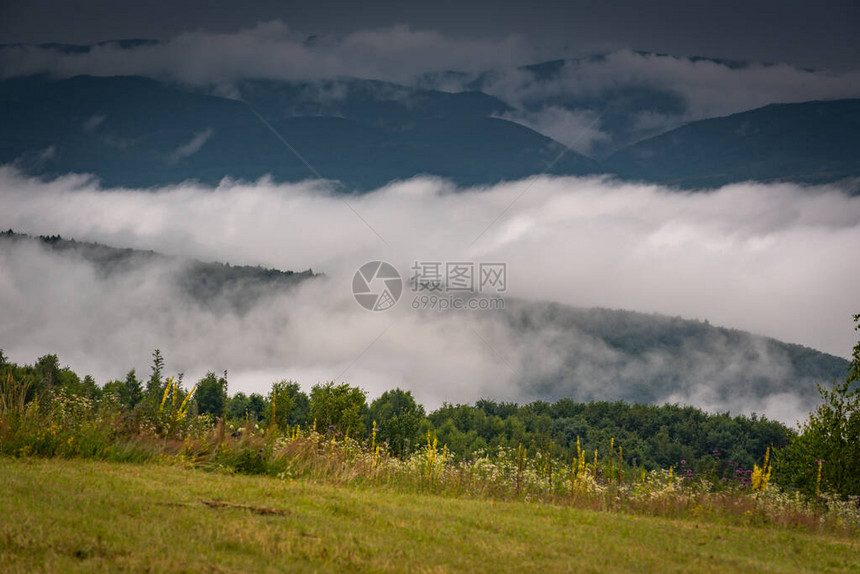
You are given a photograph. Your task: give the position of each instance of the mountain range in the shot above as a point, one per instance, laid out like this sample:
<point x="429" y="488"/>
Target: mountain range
<point x="141" y="132"/>
<point x="133" y="131"/>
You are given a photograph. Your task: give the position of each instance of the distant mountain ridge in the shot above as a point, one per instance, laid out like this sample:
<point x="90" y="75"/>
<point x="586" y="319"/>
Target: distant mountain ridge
<point x="137" y="132"/>
<point x="134" y="131"/>
<point x="812" y="142"/>
<point x="124" y="44"/>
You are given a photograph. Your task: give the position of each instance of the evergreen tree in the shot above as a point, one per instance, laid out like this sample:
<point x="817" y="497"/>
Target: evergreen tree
<point x="212" y="394"/>
<point x="155" y="385"/>
<point x="134" y="390"/>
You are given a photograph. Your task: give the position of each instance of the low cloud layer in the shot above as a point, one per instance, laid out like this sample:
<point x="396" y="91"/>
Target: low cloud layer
<point x="644" y="85"/>
<point x="778" y="260"/>
<point x="709" y="88"/>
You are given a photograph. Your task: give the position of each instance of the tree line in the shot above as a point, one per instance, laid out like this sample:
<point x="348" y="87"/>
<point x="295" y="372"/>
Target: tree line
<point x="653" y="436"/>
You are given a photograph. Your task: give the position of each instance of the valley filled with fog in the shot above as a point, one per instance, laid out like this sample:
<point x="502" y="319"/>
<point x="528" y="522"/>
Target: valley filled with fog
<point x="775" y="260"/>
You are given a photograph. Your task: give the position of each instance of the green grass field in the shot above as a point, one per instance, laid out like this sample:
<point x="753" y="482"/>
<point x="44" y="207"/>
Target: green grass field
<point x="67" y="515"/>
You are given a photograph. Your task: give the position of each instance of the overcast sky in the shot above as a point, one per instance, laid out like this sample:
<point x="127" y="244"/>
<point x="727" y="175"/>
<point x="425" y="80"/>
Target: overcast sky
<point x="814" y="34"/>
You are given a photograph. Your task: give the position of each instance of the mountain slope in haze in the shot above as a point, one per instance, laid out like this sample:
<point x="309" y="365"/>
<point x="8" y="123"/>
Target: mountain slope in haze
<point x="624" y="112"/>
<point x="137" y="132"/>
<point x="649" y="358"/>
<point x="558" y="351"/>
<point x="234" y="288"/>
<point x="812" y="142"/>
<point x="372" y="102"/>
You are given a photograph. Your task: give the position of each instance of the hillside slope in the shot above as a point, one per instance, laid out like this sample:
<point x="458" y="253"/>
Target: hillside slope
<point x="137" y="132"/>
<point x="648" y="358"/>
<point x="812" y="142"/>
<point x="137" y="513"/>
<point x="228" y="287"/>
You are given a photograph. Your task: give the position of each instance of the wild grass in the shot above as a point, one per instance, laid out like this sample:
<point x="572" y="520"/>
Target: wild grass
<point x="72" y="426"/>
<point x="593" y="483"/>
<point x="64" y="515"/>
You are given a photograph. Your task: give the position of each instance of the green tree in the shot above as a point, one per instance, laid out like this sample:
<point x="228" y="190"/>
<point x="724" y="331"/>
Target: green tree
<point x="212" y="394"/>
<point x="338" y="408"/>
<point x="257" y="406"/>
<point x="301" y="406"/>
<point x="291" y="404"/>
<point x="51" y="376"/>
<point x="90" y="388"/>
<point x="47" y="370"/>
<point x="280" y="404"/>
<point x="832" y="436"/>
<point x="155" y="385"/>
<point x="241" y="405"/>
<point x="133" y="388"/>
<point x="129" y="391"/>
<point x="237" y="406"/>
<point x="398" y="418"/>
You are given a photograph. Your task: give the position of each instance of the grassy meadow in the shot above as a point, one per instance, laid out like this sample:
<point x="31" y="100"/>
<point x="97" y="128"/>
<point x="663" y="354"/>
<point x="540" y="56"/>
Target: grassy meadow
<point x="80" y="515"/>
<point x="125" y="479"/>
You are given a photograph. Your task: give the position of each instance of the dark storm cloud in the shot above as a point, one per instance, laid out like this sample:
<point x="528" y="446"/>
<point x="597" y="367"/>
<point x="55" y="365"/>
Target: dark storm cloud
<point x="820" y="34"/>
